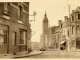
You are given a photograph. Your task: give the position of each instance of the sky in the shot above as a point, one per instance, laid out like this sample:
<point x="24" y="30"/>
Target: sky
<point x="55" y="10"/>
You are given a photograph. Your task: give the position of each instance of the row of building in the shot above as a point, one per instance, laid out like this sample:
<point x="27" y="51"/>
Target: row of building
<point x="66" y="34"/>
<point x="15" y="31"/>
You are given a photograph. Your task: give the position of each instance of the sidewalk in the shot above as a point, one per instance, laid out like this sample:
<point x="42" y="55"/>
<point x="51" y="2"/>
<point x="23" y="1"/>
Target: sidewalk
<point x="20" y="55"/>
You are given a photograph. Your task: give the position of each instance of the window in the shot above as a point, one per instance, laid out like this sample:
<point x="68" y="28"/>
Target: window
<point x="20" y="12"/>
<point x="77" y="30"/>
<point x="79" y="16"/>
<point x="3" y="36"/>
<point x="68" y="32"/>
<point x="73" y="43"/>
<point x="6" y="8"/>
<point x="76" y="16"/>
<point x="61" y="25"/>
<point x="73" y="18"/>
<point x="58" y="37"/>
<point x="23" y="37"/>
<point x="72" y="29"/>
<point x="14" y="38"/>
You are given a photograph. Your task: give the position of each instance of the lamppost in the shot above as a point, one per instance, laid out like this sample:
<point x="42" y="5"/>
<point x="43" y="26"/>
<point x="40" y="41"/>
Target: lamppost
<point x="34" y="13"/>
<point x="30" y="33"/>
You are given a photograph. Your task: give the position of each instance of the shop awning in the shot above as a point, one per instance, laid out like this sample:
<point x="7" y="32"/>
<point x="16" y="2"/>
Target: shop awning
<point x="62" y="42"/>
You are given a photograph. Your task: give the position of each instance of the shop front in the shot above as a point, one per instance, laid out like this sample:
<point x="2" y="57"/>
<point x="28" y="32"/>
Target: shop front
<point x="63" y="45"/>
<point x="3" y="39"/>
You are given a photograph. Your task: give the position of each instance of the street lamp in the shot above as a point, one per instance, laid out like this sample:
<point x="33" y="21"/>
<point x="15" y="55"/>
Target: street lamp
<point x="33" y="32"/>
<point x="34" y="13"/>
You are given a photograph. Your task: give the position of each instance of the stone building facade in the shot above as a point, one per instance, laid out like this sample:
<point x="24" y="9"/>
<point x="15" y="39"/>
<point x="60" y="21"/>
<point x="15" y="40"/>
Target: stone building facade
<point x="14" y="27"/>
<point x="69" y="31"/>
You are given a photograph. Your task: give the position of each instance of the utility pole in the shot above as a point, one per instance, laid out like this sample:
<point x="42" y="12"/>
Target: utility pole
<point x="69" y="9"/>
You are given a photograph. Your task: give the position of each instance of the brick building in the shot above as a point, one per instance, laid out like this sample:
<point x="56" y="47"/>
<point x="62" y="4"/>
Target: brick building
<point x="14" y="27"/>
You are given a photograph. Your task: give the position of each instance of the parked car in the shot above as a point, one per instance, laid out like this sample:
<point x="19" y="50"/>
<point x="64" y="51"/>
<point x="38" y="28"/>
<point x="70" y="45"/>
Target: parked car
<point x="42" y="49"/>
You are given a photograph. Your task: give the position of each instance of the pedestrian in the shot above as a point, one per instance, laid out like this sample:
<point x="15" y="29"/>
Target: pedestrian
<point x="63" y="47"/>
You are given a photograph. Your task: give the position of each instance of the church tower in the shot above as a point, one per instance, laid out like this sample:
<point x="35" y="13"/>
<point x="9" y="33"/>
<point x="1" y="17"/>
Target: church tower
<point x="45" y="32"/>
<point x="45" y="24"/>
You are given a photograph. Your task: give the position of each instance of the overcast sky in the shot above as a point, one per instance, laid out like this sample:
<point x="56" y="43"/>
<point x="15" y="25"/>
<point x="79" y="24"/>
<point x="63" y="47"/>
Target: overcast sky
<point x="55" y="9"/>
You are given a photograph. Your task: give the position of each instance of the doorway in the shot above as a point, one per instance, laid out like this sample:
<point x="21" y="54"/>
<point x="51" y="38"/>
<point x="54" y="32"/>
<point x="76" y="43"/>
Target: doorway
<point x="77" y="44"/>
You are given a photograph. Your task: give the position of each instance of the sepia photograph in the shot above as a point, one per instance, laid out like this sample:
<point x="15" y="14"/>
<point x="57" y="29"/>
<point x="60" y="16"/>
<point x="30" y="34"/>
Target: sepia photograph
<point x="40" y="29"/>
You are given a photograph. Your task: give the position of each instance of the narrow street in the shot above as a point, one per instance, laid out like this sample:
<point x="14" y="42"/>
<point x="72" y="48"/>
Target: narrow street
<point x="55" y="54"/>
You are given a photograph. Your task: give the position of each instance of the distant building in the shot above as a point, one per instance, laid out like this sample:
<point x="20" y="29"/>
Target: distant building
<point x="14" y="27"/>
<point x="35" y="45"/>
<point x="69" y="31"/>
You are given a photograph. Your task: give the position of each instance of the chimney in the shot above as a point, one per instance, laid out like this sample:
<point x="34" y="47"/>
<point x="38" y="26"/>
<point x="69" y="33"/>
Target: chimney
<point x="65" y="18"/>
<point x="59" y="22"/>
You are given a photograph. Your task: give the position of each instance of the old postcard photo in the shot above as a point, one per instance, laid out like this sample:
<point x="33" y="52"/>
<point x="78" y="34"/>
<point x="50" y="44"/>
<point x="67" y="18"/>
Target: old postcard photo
<point x="40" y="29"/>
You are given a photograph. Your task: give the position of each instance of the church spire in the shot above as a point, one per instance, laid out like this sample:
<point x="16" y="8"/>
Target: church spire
<point x="45" y="13"/>
<point x="45" y="18"/>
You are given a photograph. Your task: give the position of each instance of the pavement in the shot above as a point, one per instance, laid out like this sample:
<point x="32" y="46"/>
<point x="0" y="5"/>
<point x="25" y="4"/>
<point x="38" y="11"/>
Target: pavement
<point x="20" y="55"/>
<point x="56" y="55"/>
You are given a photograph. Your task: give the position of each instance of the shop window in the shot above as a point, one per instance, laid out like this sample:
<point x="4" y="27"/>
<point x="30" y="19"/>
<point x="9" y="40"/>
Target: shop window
<point x="23" y="37"/>
<point x="14" y="38"/>
<point x="3" y="36"/>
